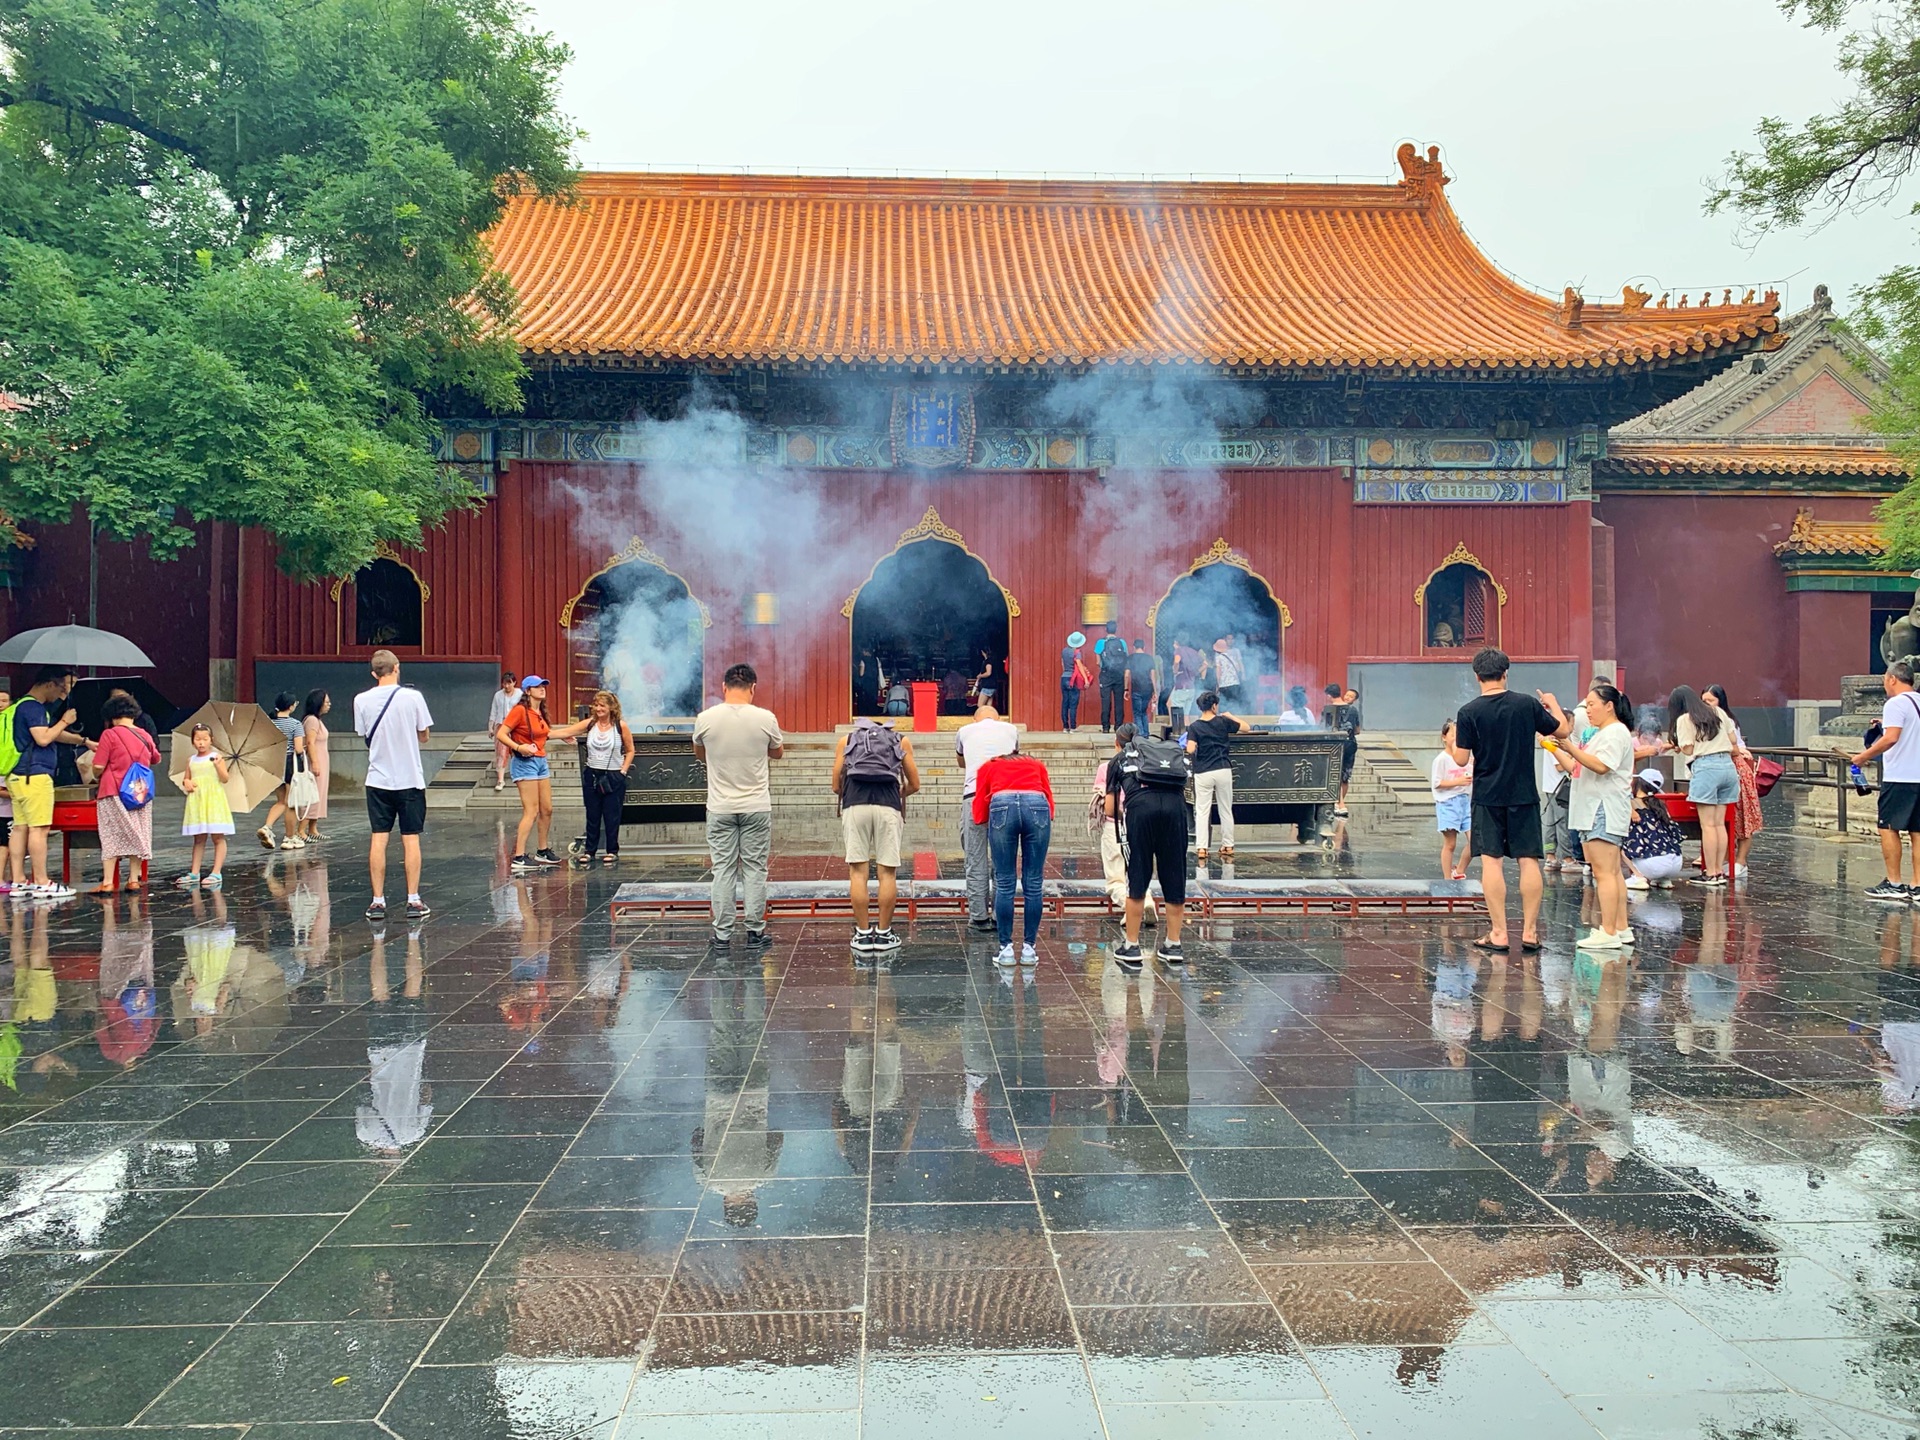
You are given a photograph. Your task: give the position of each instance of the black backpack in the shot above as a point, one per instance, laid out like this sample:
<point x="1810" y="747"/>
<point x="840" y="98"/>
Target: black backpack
<point x="1156" y="764"/>
<point x="1113" y="657"/>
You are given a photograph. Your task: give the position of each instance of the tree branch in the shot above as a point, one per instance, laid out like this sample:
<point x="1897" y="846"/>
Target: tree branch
<point x="106" y="115"/>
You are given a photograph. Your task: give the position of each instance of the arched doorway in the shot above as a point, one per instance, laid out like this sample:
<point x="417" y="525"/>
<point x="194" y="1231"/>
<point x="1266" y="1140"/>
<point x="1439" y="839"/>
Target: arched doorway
<point x="1222" y="595"/>
<point x="930" y="611"/>
<point x="384" y="604"/>
<point x="1460" y="604"/>
<point x="635" y="629"/>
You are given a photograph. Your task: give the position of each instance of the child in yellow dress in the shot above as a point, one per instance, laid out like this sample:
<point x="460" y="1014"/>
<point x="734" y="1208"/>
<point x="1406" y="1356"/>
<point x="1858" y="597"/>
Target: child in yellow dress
<point x="207" y="810"/>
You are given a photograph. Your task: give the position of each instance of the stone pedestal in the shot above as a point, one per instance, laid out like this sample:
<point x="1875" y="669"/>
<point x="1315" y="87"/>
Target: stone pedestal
<point x="1861" y="697"/>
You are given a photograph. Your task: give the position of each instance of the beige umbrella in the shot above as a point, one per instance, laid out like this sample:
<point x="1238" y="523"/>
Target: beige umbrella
<point x="256" y="751"/>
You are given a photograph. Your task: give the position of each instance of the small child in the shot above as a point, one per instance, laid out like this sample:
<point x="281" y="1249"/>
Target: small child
<point x="1654" y="838"/>
<point x="1453" y="807"/>
<point x="207" y="810"/>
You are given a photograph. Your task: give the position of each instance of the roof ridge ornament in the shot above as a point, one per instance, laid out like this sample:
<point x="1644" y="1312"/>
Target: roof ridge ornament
<point x="1421" y="176"/>
<point x="1632" y="299"/>
<point x="1572" y="302"/>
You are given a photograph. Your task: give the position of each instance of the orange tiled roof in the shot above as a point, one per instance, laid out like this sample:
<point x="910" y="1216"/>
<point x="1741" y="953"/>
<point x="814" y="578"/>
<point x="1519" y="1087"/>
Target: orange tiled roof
<point x="1855" y="538"/>
<point x="1726" y="456"/>
<point x="758" y="268"/>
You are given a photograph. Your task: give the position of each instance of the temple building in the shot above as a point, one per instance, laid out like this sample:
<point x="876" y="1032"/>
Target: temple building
<point x="862" y="431"/>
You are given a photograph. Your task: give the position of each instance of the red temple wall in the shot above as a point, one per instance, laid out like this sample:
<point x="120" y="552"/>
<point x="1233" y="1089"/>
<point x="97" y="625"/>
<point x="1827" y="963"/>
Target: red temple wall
<point x="501" y="576"/>
<point x="1699" y="597"/>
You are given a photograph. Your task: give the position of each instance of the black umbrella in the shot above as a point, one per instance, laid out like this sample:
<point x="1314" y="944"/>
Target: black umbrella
<point x="87" y="696"/>
<point x="75" y="645"/>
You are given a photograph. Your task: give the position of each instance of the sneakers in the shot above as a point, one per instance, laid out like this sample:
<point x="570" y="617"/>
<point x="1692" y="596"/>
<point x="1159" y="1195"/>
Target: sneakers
<point x="1029" y="955"/>
<point x="1637" y="882"/>
<point x="521" y="864"/>
<point x="1717" y="882"/>
<point x="1625" y="937"/>
<point x="377" y="910"/>
<point x="1888" y="893"/>
<point x="1128" y="957"/>
<point x="1171" y="953"/>
<point x="266" y="838"/>
<point x="498" y="786"/>
<point x="884" y="939"/>
<point x="418" y="909"/>
<point x="293" y="842"/>
<point x="1597" y="940"/>
<point x="759" y="939"/>
<point x="53" y="890"/>
<point x="1005" y="959"/>
<point x="546" y="857"/>
<point x="1739" y="872"/>
<point x="984" y="926"/>
<point x="862" y="939"/>
<point x="718" y="944"/>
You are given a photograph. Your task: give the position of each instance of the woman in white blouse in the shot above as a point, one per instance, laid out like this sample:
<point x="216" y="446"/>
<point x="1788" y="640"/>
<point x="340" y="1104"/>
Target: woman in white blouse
<point x="1601" y="807"/>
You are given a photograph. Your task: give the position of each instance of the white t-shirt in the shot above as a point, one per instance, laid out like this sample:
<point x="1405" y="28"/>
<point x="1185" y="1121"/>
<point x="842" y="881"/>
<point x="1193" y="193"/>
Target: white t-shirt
<point x="1607" y="798"/>
<point x="737" y="739"/>
<point x="979" y="741"/>
<point x="393" y="757"/>
<point x="503" y="701"/>
<point x="1227" y="668"/>
<point x="1902" y="762"/>
<point x="1445" y="769"/>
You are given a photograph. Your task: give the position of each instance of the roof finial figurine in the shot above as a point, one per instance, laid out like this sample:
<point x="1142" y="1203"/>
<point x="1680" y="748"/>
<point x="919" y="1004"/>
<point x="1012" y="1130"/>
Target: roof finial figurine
<point x="1683" y="303"/>
<point x="1663" y="303"/>
<point x="1421" y="174"/>
<point x="1749" y="298"/>
<point x="1572" y="302"/>
<point x="1634" y="299"/>
<point x="1726" y="297"/>
<point x="1822" y="298"/>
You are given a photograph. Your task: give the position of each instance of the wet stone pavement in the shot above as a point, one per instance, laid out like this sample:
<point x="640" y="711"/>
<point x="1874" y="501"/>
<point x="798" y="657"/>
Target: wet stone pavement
<point x="267" y="1170"/>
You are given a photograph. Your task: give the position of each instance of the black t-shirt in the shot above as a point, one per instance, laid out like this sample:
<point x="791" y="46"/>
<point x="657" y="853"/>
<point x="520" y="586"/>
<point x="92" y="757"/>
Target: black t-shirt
<point x="1140" y="667"/>
<point x="1499" y="729"/>
<point x="1342" y="717"/>
<point x="1211" y="750"/>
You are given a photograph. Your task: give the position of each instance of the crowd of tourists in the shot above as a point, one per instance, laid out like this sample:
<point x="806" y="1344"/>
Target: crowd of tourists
<point x="1586" y="805"/>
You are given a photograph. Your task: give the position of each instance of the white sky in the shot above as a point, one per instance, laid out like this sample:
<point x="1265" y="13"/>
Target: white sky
<point x="1580" y="136"/>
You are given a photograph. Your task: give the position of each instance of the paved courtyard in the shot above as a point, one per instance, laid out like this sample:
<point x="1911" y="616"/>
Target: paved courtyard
<point x="522" y="1172"/>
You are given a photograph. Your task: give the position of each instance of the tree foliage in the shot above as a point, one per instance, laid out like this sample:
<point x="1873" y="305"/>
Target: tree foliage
<point x="1857" y="157"/>
<point x="240" y="251"/>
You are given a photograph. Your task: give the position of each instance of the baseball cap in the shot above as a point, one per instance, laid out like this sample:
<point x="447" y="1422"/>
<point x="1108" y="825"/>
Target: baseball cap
<point x="527" y="682"/>
<point x="1653" y="777"/>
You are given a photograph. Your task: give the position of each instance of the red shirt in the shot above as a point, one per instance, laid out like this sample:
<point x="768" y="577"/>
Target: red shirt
<point x="1009" y="772"/>
<point x="116" y="753"/>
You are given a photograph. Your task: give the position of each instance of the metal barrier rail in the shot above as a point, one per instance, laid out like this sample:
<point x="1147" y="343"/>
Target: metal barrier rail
<point x="1816" y="769"/>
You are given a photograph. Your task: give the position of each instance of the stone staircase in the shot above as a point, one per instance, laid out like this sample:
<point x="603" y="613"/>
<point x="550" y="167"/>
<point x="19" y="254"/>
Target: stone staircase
<point x="1382" y="775"/>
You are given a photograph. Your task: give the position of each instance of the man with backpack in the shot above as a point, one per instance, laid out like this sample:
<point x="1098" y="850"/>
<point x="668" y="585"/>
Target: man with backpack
<point x="1147" y="795"/>
<point x="30" y="740"/>
<point x="1112" y="651"/>
<point x="873" y="773"/>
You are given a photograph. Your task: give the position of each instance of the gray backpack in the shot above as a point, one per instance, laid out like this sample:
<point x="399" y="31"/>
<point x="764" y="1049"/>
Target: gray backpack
<point x="874" y="752"/>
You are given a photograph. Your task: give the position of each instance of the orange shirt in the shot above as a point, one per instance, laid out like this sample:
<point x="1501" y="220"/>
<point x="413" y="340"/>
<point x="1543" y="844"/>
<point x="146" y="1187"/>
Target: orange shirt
<point x="528" y="726"/>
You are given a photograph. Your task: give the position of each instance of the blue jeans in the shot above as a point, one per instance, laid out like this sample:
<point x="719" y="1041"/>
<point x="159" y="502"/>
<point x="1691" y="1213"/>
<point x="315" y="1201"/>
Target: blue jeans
<point x="1018" y="820"/>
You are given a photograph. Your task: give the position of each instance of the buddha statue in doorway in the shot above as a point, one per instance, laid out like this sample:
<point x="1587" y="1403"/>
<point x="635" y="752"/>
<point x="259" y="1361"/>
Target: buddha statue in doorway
<point x="1901" y="639"/>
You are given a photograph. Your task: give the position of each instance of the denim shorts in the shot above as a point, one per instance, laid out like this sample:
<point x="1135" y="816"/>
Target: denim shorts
<point x="529" y="767"/>
<point x="1714" y="781"/>
<point x="1598" y="832"/>
<point x="1453" y="811"/>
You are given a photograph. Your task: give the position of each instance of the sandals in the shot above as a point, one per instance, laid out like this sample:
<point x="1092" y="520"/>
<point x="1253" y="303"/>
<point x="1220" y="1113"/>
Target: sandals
<point x="1201" y="856"/>
<point x="1486" y="943"/>
<point x="609" y="859"/>
<point x="1226" y="852"/>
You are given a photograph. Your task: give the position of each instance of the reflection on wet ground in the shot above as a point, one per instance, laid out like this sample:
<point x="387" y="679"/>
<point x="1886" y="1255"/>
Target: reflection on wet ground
<point x="521" y="1173"/>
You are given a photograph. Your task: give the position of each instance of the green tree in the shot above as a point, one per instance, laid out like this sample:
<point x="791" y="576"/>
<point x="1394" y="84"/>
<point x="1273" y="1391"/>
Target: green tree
<point x="1854" y="158"/>
<point x="240" y="254"/>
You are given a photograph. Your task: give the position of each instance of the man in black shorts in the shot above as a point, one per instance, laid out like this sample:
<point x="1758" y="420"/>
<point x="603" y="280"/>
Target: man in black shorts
<point x="1146" y="796"/>
<point x="1496" y="732"/>
<point x="393" y="719"/>
<point x="1898" y="750"/>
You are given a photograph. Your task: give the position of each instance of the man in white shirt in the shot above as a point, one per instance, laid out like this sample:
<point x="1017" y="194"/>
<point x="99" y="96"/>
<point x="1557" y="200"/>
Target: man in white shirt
<point x="504" y="699"/>
<point x="393" y="719"/>
<point x="735" y="739"/>
<point x="985" y="737"/>
<point x="1899" y="800"/>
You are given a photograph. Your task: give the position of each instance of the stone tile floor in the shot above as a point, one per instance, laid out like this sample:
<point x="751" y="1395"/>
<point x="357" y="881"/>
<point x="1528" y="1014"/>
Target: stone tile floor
<point x="265" y="1170"/>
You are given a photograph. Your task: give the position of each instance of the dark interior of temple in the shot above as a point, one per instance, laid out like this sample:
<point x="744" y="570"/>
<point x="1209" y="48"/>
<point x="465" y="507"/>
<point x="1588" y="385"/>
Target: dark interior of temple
<point x="930" y="612"/>
<point x="637" y="632"/>
<point x="1218" y="600"/>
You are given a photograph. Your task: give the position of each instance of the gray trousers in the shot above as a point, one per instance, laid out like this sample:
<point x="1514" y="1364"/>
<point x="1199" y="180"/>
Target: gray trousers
<point x="1556" y="838"/>
<point x="979" y="858"/>
<point x="739" y="845"/>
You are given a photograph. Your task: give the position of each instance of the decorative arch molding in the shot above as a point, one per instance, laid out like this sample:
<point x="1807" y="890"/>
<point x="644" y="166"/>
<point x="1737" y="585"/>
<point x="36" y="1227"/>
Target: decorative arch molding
<point x="1459" y="555"/>
<point x="932" y="527"/>
<point x="636" y="553"/>
<point x="1222" y="553"/>
<point x="382" y="551"/>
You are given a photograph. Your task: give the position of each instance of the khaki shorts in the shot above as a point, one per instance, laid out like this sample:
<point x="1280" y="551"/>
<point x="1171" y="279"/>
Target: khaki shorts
<point x="32" y="800"/>
<point x="873" y="835"/>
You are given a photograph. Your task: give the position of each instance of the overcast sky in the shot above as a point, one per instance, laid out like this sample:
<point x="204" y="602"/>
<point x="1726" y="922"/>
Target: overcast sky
<point x="1580" y="137"/>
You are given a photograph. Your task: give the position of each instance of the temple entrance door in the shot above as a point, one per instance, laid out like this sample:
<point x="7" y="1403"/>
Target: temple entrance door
<point x="636" y="630"/>
<point x="1222" y="596"/>
<point x="930" y="611"/>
